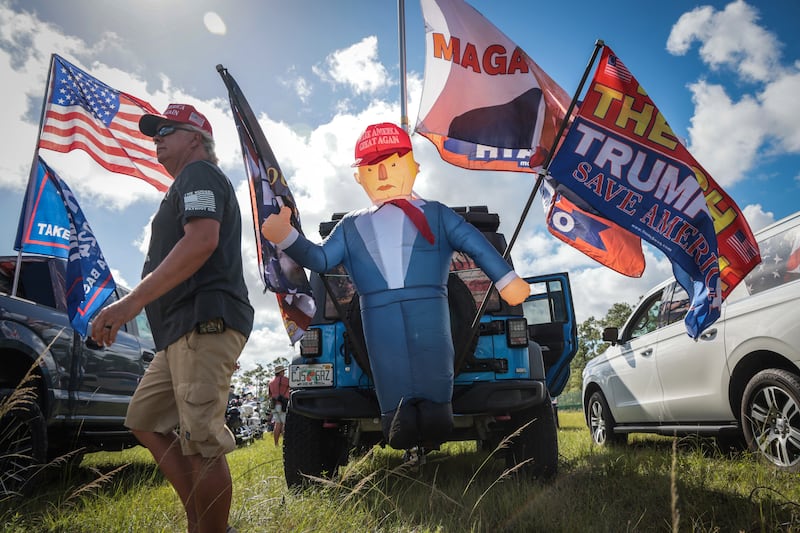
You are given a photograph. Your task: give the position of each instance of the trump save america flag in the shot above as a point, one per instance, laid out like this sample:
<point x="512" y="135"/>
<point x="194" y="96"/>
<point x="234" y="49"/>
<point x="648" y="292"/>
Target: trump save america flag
<point x="83" y="113"/>
<point x="622" y="158"/>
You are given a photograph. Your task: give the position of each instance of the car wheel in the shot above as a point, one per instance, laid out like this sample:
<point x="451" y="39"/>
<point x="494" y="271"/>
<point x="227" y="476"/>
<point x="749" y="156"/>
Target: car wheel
<point x="309" y="449"/>
<point x="23" y="444"/>
<point x="771" y="417"/>
<point x="536" y="446"/>
<point x="601" y="422"/>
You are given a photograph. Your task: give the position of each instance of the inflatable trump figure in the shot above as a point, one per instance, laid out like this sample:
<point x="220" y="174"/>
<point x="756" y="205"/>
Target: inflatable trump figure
<point x="398" y="254"/>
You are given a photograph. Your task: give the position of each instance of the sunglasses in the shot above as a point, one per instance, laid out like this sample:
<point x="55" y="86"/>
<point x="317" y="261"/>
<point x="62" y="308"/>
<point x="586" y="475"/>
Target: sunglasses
<point x="169" y="129"/>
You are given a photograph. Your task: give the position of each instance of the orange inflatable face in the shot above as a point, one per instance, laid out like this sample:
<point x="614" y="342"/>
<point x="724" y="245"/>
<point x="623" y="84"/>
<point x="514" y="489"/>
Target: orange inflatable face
<point x="391" y="178"/>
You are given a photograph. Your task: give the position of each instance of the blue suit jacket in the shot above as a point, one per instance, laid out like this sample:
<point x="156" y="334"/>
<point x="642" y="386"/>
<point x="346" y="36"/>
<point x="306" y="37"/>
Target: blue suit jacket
<point x="407" y="330"/>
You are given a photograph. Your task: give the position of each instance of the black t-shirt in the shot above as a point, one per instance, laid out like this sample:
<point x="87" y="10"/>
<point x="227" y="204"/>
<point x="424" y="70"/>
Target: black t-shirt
<point x="217" y="289"/>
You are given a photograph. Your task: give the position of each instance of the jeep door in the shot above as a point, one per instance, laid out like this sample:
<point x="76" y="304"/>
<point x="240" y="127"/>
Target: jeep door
<point x="551" y="323"/>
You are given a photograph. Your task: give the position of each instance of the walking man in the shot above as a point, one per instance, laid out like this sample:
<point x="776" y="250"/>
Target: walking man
<point x="194" y="293"/>
<point x="279" y="394"/>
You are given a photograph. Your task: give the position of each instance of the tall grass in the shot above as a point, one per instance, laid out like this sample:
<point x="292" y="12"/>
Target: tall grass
<point x="653" y="484"/>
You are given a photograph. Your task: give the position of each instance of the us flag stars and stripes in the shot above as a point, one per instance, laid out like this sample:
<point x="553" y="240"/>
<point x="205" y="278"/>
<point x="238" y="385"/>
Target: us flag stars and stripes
<point x="84" y="113"/>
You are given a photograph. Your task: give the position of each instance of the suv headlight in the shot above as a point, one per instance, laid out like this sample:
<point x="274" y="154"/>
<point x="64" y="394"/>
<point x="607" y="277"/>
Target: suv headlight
<point x="517" y="332"/>
<point x="310" y="344"/>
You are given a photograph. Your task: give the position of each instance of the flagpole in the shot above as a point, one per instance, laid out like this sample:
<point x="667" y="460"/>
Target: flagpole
<point x="401" y="18"/>
<point x="34" y="168"/>
<point x="539" y="178"/>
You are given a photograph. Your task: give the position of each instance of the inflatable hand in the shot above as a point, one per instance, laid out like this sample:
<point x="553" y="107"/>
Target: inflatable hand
<point x="277" y="227"/>
<point x="515" y="292"/>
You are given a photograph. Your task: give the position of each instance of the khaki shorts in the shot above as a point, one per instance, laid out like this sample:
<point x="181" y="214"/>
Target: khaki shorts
<point x="278" y="414"/>
<point x="186" y="386"/>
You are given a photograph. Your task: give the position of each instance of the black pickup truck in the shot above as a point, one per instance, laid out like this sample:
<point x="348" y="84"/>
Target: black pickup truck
<point x="76" y="392"/>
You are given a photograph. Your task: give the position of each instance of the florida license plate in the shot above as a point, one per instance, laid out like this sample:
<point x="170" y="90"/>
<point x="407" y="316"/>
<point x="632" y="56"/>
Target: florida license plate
<point x="316" y="375"/>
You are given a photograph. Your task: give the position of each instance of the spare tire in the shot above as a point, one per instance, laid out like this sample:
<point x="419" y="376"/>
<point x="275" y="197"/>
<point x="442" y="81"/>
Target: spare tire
<point x="462" y="313"/>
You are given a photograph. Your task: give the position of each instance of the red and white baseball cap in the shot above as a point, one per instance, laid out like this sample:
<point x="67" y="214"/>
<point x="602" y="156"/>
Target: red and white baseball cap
<point x="180" y="113"/>
<point x="380" y="141"/>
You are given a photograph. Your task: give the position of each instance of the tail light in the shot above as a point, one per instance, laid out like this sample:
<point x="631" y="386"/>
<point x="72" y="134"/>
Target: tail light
<point x="517" y="332"/>
<point x="311" y="343"/>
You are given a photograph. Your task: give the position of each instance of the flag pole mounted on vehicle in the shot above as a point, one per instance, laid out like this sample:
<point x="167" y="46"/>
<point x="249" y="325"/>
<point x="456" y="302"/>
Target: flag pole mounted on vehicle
<point x="539" y="178"/>
<point x="31" y="180"/>
<point x="401" y="18"/>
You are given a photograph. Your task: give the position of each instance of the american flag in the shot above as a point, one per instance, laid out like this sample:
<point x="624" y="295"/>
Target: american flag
<point x="615" y="67"/>
<point x="86" y="114"/>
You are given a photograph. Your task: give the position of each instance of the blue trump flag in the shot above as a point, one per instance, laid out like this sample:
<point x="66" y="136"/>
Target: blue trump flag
<point x="88" y="282"/>
<point x="43" y="223"/>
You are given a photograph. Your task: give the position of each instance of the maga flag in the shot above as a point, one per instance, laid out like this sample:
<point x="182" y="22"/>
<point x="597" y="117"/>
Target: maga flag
<point x="88" y="282"/>
<point x="622" y="158"/>
<point x="268" y="193"/>
<point x="84" y="113"/>
<point x="485" y="104"/>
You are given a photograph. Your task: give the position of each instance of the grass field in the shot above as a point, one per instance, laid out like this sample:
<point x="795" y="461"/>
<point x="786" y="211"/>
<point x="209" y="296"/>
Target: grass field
<point x="653" y="484"/>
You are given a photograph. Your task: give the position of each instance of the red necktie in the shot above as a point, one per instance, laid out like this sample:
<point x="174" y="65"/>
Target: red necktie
<point x="416" y="216"/>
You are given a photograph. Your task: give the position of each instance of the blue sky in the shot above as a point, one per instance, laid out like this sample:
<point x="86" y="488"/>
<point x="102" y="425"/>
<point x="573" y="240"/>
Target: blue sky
<point x="724" y="74"/>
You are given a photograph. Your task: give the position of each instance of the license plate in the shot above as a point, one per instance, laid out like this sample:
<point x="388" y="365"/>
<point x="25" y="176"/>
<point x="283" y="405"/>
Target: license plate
<point x="317" y="375"/>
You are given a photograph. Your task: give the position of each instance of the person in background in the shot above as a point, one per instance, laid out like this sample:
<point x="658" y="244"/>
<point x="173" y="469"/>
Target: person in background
<point x="279" y="400"/>
<point x="196" y="300"/>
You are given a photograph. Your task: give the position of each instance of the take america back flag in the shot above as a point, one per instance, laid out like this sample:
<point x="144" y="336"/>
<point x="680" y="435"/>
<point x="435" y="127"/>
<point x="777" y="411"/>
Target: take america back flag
<point x="83" y="113"/>
<point x="88" y="281"/>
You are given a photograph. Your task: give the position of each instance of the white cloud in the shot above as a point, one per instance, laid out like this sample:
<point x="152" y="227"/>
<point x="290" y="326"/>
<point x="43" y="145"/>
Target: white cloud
<point x="731" y="37"/>
<point x="729" y="136"/>
<point x="357" y="67"/>
<point x="725" y="136"/>
<point x="756" y="217"/>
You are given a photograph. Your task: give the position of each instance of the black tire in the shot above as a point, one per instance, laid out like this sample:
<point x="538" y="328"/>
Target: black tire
<point x="23" y="445"/>
<point x="771" y="417"/>
<point x="309" y="449"/>
<point x="537" y="443"/>
<point x="601" y="422"/>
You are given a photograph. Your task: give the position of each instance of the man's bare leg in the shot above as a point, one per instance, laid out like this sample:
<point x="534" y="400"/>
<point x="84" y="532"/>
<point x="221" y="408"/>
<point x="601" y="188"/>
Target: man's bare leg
<point x="175" y="466"/>
<point x="213" y="492"/>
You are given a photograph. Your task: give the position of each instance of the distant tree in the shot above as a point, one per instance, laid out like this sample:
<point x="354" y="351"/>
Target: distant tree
<point x="590" y="340"/>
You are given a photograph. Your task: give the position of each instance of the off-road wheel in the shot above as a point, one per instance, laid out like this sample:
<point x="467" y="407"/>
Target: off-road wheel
<point x="535" y="449"/>
<point x="23" y="444"/>
<point x="601" y="422"/>
<point x="771" y="417"/>
<point x="309" y="449"/>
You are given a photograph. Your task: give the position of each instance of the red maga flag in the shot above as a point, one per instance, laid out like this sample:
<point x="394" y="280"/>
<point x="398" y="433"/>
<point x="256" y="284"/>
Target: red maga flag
<point x="84" y="113"/>
<point x="485" y="104"/>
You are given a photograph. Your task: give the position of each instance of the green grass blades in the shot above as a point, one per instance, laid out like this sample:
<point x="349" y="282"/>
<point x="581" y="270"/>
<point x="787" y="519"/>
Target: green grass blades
<point x="652" y="484"/>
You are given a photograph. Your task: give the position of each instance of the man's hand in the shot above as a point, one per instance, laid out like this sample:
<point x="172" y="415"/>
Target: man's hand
<point x="515" y="292"/>
<point x="110" y="319"/>
<point x="277" y="227"/>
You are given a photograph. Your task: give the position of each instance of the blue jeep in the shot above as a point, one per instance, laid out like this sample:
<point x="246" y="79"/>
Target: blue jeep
<point x="505" y="378"/>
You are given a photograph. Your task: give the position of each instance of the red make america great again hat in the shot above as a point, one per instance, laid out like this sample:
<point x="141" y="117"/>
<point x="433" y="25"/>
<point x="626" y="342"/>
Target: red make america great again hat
<point x="180" y="113"/>
<point x="379" y="141"/>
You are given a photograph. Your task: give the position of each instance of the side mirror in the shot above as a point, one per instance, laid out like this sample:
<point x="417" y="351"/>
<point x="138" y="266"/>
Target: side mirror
<point x="611" y="335"/>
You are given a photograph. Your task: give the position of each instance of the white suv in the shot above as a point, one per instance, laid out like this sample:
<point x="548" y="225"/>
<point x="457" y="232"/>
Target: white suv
<point x="741" y="377"/>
